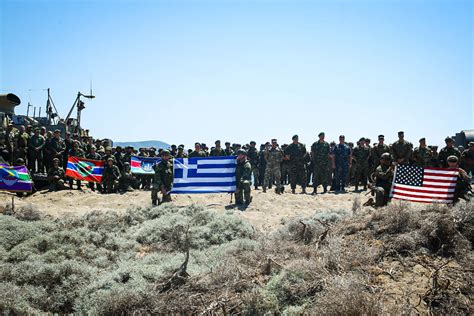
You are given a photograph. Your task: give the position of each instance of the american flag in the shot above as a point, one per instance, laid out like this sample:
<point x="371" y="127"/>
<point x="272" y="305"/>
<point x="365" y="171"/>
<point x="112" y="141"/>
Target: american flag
<point x="429" y="185"/>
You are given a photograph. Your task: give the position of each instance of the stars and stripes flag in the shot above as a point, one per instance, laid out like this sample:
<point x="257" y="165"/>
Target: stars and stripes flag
<point x="85" y="169"/>
<point x="204" y="175"/>
<point x="143" y="165"/>
<point x="429" y="185"/>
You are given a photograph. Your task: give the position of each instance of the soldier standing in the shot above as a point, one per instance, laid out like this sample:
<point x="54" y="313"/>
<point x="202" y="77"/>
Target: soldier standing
<point x="447" y="151"/>
<point x="273" y="156"/>
<point x="377" y="152"/>
<point x="35" y="148"/>
<point x="163" y="179"/>
<point x="285" y="166"/>
<point x="217" y="151"/>
<point x="361" y="155"/>
<point x="320" y="155"/>
<point x="228" y="150"/>
<point x="295" y="153"/>
<point x="422" y="155"/>
<point x="252" y="156"/>
<point x="243" y="175"/>
<point x="110" y="176"/>
<point x="197" y="151"/>
<point x="181" y="153"/>
<point x="467" y="159"/>
<point x="76" y="152"/>
<point x="401" y="150"/>
<point x="262" y="163"/>
<point x="341" y="164"/>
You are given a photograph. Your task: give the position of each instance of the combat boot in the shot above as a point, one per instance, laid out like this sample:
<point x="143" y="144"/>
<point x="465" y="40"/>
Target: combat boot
<point x="315" y="190"/>
<point x="303" y="191"/>
<point x="356" y="188"/>
<point x="365" y="188"/>
<point x="293" y="191"/>
<point x="264" y="190"/>
<point x="325" y="189"/>
<point x="154" y="202"/>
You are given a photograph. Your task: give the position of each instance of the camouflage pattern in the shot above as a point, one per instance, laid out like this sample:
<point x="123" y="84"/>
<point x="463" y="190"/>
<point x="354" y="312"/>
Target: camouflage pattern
<point x="56" y="178"/>
<point x="401" y="151"/>
<point x="445" y="153"/>
<point x="383" y="183"/>
<point x="217" y="152"/>
<point x="422" y="157"/>
<point x="376" y="153"/>
<point x="252" y="155"/>
<point x="467" y="160"/>
<point x="296" y="153"/>
<point x="163" y="178"/>
<point x="273" y="156"/>
<point x="243" y="175"/>
<point x="360" y="156"/>
<point x="320" y="156"/>
<point x="110" y="178"/>
<point x="197" y="154"/>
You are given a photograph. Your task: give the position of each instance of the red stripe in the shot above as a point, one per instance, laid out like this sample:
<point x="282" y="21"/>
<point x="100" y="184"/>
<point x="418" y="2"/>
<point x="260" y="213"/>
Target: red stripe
<point x="439" y="181"/>
<point x="442" y="169"/>
<point x="90" y="178"/>
<point x="74" y="160"/>
<point x="447" y="175"/>
<point x="421" y="190"/>
<point x="438" y="186"/>
<point x="428" y="202"/>
<point x="424" y="197"/>
<point x="135" y="164"/>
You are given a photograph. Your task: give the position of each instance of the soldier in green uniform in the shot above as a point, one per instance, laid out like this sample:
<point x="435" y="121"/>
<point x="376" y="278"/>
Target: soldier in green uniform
<point x="377" y="152"/>
<point x="127" y="182"/>
<point x="463" y="188"/>
<point x="285" y="167"/>
<point x="434" y="156"/>
<point x="21" y="143"/>
<point x="383" y="180"/>
<point x="56" y="146"/>
<point x="243" y="175"/>
<point x="76" y="151"/>
<point x="110" y="176"/>
<point x="273" y="156"/>
<point x="295" y="153"/>
<point x="360" y="156"/>
<point x="422" y="155"/>
<point x="320" y="155"/>
<point x="252" y="156"/>
<point x="228" y="150"/>
<point x="181" y="153"/>
<point x="467" y="159"/>
<point x="163" y="179"/>
<point x="449" y="150"/>
<point x="217" y="151"/>
<point x="401" y="150"/>
<point x="197" y="151"/>
<point x="56" y="176"/>
<point x="35" y="152"/>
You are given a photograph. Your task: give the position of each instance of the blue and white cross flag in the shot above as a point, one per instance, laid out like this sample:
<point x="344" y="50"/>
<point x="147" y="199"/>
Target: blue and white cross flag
<point x="204" y="175"/>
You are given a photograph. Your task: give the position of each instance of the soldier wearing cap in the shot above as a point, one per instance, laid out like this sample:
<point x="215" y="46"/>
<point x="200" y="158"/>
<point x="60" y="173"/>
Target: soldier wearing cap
<point x="383" y="176"/>
<point x="422" y="155"/>
<point x="181" y="153"/>
<point x="163" y="179"/>
<point x="467" y="159"/>
<point x="56" y="146"/>
<point x="463" y="185"/>
<point x="75" y="151"/>
<point x="449" y="150"/>
<point x="295" y="154"/>
<point x="56" y="176"/>
<point x="21" y="143"/>
<point x="341" y="162"/>
<point x="401" y="149"/>
<point x="360" y="156"/>
<point x="35" y="152"/>
<point x="252" y="156"/>
<point x="197" y="151"/>
<point x="243" y="176"/>
<point x="377" y="151"/>
<point x="173" y="150"/>
<point x="320" y="156"/>
<point x="217" y="151"/>
<point x="110" y="176"/>
<point x="228" y="150"/>
<point x="273" y="156"/>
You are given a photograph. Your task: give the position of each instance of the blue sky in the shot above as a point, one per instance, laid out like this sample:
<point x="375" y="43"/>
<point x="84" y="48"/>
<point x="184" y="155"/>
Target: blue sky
<point x="185" y="71"/>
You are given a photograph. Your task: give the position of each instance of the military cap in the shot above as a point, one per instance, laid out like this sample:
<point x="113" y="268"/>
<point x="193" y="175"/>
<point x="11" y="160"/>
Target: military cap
<point x="57" y="131"/>
<point x="422" y="139"/>
<point x="37" y="129"/>
<point x="294" y="136"/>
<point x="203" y="145"/>
<point x="342" y="136"/>
<point x="227" y="143"/>
<point x="253" y="142"/>
<point x="241" y="152"/>
<point x="268" y="143"/>
<point x="108" y="148"/>
<point x="126" y="163"/>
<point x="164" y="152"/>
<point x="274" y="140"/>
<point x="197" y="143"/>
<point x="321" y="134"/>
<point x="55" y="159"/>
<point x="173" y="146"/>
<point x="93" y="147"/>
<point x="180" y="147"/>
<point x="471" y="144"/>
<point x="217" y="141"/>
<point x="385" y="156"/>
<point x="110" y="159"/>
<point x="434" y="147"/>
<point x="448" y="139"/>
<point x="401" y="132"/>
<point x="381" y="136"/>
<point x="452" y="158"/>
<point x="362" y="139"/>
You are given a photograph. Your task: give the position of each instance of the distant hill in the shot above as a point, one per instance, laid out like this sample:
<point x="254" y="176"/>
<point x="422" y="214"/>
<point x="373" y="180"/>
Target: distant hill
<point x="145" y="143"/>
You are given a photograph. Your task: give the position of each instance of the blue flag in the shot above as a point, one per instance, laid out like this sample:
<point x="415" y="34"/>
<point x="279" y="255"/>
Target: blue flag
<point x="204" y="175"/>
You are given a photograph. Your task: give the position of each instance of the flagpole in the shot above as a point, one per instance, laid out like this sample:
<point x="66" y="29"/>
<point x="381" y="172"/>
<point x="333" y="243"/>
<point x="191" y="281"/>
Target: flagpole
<point x="393" y="181"/>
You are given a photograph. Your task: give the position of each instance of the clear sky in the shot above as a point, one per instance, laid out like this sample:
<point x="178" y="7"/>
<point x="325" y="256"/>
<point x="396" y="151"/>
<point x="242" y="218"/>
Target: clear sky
<point x="185" y="71"/>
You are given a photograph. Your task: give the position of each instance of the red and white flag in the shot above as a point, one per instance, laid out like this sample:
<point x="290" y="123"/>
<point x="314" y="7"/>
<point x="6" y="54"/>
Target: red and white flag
<point x="429" y="185"/>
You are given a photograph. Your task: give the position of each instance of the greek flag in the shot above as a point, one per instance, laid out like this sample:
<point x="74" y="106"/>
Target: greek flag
<point x="204" y="175"/>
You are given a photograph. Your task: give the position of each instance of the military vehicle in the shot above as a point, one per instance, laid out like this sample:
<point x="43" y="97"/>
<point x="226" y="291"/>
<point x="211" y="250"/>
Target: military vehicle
<point x="464" y="137"/>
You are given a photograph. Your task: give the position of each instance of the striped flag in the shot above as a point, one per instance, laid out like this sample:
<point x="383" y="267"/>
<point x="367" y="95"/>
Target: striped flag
<point x="15" y="179"/>
<point x="429" y="185"/>
<point x="204" y="175"/>
<point x="143" y="165"/>
<point x="85" y="169"/>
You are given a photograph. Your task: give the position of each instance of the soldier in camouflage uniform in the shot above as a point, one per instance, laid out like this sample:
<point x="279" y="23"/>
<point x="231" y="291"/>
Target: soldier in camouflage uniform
<point x="35" y="152"/>
<point x="197" y="151"/>
<point x="320" y="155"/>
<point x="434" y="156"/>
<point x="56" y="176"/>
<point x="243" y="175"/>
<point x="383" y="180"/>
<point x="467" y="159"/>
<point x="252" y="155"/>
<point x="296" y="152"/>
<point x="449" y="150"/>
<point x="110" y="176"/>
<point x="273" y="156"/>
<point x="228" y="150"/>
<point x="127" y="182"/>
<point x="217" y="151"/>
<point x="21" y="143"/>
<point x="401" y="150"/>
<point x="360" y="156"/>
<point x="422" y="155"/>
<point x="377" y="152"/>
<point x="181" y="153"/>
<point x="285" y="167"/>
<point x="163" y="179"/>
<point x="262" y="163"/>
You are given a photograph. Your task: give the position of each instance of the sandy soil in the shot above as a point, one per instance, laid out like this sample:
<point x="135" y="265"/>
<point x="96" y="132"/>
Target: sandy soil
<point x="266" y="212"/>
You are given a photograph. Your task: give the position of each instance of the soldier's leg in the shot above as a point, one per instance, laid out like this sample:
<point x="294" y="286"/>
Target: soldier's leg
<point x="239" y="196"/>
<point x="277" y="176"/>
<point x="267" y="177"/>
<point x="302" y="177"/>
<point x="324" y="178"/>
<point x="167" y="198"/>
<point x="246" y="189"/>
<point x="379" y="196"/>
<point x="293" y="177"/>
<point x="364" y="175"/>
<point x="255" y="176"/>
<point x="154" y="196"/>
